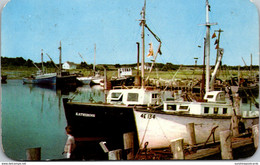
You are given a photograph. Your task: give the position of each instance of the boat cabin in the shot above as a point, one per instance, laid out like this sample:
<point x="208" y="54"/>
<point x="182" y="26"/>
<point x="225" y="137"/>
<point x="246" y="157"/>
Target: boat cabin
<point x="215" y="105"/>
<point x="198" y="108"/>
<point x="135" y="96"/>
<point x="215" y="97"/>
<point x="124" y="72"/>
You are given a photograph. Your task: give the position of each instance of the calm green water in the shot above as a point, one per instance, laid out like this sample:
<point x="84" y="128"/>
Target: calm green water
<point x="34" y="117"/>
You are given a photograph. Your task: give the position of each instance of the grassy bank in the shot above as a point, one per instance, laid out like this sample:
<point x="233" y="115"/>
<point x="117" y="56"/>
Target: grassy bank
<point x="186" y="73"/>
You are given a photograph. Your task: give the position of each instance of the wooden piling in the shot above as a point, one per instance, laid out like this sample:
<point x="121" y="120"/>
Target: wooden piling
<point x="226" y="145"/>
<point x="191" y="134"/>
<point x="234" y="124"/>
<point x="129" y="145"/>
<point x="115" y="155"/>
<point x="33" y="153"/>
<point x="255" y="132"/>
<point x="177" y="148"/>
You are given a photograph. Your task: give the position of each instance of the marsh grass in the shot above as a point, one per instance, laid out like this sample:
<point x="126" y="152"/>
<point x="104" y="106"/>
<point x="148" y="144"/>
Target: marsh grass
<point x="185" y="73"/>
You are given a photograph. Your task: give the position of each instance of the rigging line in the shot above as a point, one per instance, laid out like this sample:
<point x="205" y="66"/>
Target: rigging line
<point x="145" y="132"/>
<point x="72" y="97"/>
<point x="162" y="130"/>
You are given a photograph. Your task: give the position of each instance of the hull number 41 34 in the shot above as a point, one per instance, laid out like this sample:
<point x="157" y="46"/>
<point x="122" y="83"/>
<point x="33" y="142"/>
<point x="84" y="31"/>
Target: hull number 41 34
<point x="148" y="116"/>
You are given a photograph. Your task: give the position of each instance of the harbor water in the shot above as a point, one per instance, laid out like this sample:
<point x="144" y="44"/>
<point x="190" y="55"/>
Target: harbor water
<point x="34" y="117"/>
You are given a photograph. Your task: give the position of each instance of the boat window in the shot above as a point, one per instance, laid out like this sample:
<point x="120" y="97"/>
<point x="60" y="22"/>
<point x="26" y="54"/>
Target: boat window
<point x="182" y="107"/>
<point x="171" y="107"/>
<point x="224" y="110"/>
<point x="132" y="97"/>
<point x="154" y="95"/>
<point x="206" y="109"/>
<point x="115" y="95"/>
<point x="210" y="96"/>
<point x="215" y="110"/>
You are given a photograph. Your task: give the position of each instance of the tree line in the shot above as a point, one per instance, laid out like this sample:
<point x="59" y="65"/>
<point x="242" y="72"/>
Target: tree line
<point x="21" y="62"/>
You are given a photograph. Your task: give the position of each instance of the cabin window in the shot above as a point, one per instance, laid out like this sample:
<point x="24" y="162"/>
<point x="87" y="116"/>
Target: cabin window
<point x="224" y="110"/>
<point x="132" y="97"/>
<point x="184" y="107"/>
<point x="171" y="107"/>
<point x="154" y="95"/>
<point x="206" y="109"/>
<point x="215" y="110"/>
<point x="115" y="95"/>
<point x="210" y="96"/>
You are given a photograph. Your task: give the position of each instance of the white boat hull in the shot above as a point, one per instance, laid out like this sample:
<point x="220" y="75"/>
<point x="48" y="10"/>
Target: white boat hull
<point x="158" y="129"/>
<point x="85" y="80"/>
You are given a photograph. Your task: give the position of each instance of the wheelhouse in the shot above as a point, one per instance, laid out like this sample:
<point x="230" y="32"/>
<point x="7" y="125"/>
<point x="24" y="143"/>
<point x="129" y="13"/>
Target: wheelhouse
<point x="136" y="96"/>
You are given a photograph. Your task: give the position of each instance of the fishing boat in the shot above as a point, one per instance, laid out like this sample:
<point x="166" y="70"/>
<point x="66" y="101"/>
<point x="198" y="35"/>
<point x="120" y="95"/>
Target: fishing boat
<point x="97" y="79"/>
<point x="124" y="78"/>
<point x="40" y="77"/>
<point x="85" y="80"/>
<point x="64" y="78"/>
<point x="154" y="115"/>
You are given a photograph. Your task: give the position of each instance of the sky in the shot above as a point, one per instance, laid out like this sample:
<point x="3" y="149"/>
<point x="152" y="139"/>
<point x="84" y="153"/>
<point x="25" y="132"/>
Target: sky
<point x="29" y="26"/>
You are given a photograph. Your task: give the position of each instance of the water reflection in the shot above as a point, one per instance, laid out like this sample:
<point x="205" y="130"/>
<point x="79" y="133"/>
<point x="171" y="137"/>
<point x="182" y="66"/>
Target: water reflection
<point x="33" y="116"/>
<point x="93" y="94"/>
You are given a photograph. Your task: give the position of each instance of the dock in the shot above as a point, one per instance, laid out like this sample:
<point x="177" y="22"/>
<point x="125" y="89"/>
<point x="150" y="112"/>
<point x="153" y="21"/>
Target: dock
<point x="231" y="148"/>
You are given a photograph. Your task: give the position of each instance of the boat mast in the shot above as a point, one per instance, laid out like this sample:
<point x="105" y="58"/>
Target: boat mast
<point x="42" y="60"/>
<point x="94" y="66"/>
<point x="60" y="58"/>
<point x="143" y="43"/>
<point x="207" y="50"/>
<point x="202" y="89"/>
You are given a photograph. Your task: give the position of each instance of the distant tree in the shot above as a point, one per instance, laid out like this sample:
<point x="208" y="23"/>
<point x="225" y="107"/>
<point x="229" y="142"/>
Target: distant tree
<point x="105" y="66"/>
<point x="117" y="65"/>
<point x="90" y="66"/>
<point x="159" y="65"/>
<point x="19" y="61"/>
<point x="83" y="65"/>
<point x="49" y="64"/>
<point x="169" y="66"/>
<point x="29" y="63"/>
